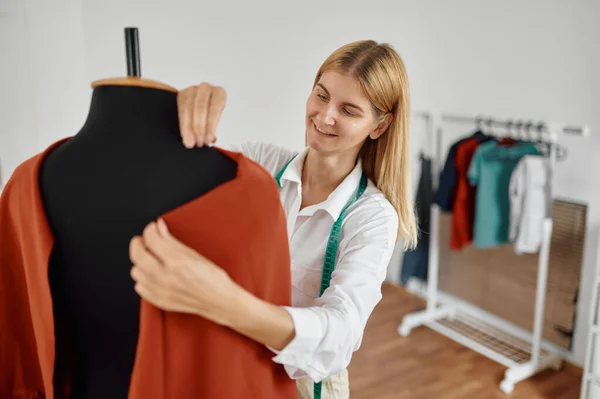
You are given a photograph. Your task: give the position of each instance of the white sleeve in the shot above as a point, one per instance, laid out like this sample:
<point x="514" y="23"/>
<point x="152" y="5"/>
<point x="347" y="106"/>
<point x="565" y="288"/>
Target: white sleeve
<point x="517" y="188"/>
<point x="329" y="332"/>
<point x="269" y="156"/>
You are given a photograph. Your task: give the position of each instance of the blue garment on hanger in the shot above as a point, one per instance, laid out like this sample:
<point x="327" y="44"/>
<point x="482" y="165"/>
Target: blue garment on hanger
<point x="444" y="195"/>
<point x="416" y="262"/>
<point x="490" y="170"/>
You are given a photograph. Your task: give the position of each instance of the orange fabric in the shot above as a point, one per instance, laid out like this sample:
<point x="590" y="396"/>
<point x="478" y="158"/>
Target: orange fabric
<point x="463" y="210"/>
<point x="240" y="225"/>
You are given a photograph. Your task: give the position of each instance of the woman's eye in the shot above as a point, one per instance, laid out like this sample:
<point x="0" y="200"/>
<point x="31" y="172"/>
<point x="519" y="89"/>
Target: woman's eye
<point x="347" y="112"/>
<point x="322" y="97"/>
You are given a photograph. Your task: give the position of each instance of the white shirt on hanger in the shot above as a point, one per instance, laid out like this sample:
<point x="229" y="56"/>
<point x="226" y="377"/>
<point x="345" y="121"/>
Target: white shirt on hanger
<point x="529" y="203"/>
<point x="329" y="328"/>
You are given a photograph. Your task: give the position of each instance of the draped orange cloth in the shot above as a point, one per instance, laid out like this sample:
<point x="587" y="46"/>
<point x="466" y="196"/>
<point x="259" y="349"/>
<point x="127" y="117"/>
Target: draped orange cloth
<point x="241" y="228"/>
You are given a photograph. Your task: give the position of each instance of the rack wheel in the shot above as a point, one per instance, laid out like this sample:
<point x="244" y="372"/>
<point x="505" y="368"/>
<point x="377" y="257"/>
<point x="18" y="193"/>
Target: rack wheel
<point x="507" y="386"/>
<point x="556" y="366"/>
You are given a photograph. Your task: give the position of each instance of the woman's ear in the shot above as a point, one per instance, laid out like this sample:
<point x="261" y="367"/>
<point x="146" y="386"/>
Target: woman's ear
<point x="382" y="126"/>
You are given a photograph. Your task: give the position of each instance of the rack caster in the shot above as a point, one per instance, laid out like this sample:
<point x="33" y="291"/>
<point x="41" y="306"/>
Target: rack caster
<point x="557" y="365"/>
<point x="507" y="387"/>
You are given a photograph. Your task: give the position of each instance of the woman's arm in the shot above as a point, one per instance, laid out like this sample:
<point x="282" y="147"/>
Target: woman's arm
<point x="176" y="278"/>
<point x="329" y="332"/>
<point x="317" y="341"/>
<point x="269" y="324"/>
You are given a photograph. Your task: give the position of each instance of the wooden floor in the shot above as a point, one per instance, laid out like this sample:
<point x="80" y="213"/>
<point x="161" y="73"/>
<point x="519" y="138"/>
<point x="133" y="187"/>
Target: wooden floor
<point x="427" y="365"/>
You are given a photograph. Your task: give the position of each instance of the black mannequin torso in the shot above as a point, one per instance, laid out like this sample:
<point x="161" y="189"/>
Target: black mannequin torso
<point x="124" y="168"/>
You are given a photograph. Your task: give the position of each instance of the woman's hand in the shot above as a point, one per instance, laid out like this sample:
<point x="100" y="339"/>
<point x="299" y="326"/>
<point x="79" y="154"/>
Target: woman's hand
<point x="200" y="108"/>
<point x="176" y="278"/>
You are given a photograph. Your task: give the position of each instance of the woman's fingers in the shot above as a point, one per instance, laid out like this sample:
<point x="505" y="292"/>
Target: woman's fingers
<point x="145" y="265"/>
<point x="162" y="249"/>
<point x="200" y="108"/>
<point x="139" y="254"/>
<point x="164" y="232"/>
<point x="200" y="112"/>
<point x="185" y="109"/>
<point x="217" y="105"/>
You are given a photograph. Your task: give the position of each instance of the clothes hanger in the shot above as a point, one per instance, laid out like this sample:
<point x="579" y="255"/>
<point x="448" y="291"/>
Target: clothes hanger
<point x="133" y="78"/>
<point x="520" y="133"/>
<point x="544" y="146"/>
<point x="508" y="140"/>
<point x="478" y="125"/>
<point x="528" y="134"/>
<point x="479" y="132"/>
<point x="488" y="127"/>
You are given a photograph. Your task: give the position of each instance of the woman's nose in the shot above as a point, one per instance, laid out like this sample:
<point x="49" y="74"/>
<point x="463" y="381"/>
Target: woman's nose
<point x="328" y="115"/>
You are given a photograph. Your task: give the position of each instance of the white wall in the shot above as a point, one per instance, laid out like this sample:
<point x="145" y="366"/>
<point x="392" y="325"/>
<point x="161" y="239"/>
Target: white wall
<point x="513" y="58"/>
<point x="16" y="122"/>
<point x="44" y="81"/>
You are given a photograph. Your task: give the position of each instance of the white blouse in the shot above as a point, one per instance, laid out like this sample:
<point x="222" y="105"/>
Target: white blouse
<point x="530" y="203"/>
<point x="329" y="328"/>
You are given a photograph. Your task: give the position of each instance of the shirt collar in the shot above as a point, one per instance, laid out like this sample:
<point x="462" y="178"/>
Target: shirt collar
<point x="337" y="200"/>
<point x="293" y="172"/>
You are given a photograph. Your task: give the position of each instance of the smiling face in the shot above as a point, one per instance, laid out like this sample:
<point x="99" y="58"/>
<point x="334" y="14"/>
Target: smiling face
<point x="339" y="116"/>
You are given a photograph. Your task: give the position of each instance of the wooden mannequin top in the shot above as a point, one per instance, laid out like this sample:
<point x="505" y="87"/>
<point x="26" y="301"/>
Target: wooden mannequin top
<point x="133" y="81"/>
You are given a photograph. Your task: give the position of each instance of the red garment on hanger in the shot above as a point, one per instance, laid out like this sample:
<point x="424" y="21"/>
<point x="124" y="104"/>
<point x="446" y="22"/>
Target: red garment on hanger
<point x="242" y="229"/>
<point x="507" y="141"/>
<point x="463" y="210"/>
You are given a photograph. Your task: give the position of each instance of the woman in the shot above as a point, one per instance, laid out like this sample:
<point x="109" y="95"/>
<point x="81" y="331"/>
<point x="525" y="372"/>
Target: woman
<point x="351" y="185"/>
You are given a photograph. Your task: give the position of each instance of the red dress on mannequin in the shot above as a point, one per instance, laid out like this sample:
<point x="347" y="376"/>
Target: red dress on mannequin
<point x="178" y="355"/>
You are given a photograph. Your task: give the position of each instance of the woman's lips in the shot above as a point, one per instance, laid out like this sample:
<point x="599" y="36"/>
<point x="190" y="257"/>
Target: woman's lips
<point x="323" y="133"/>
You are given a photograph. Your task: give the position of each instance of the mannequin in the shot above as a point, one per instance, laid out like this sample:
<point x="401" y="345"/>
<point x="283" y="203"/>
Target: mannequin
<point x="76" y="328"/>
<point x="124" y="168"/>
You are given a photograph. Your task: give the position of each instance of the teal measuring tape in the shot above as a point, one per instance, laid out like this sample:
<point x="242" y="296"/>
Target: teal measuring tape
<point x="332" y="243"/>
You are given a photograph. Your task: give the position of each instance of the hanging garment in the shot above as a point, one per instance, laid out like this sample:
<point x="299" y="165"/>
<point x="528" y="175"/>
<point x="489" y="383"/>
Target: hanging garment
<point x="178" y="355"/>
<point x="415" y="262"/>
<point x="507" y="141"/>
<point x="490" y="170"/>
<point x="444" y="195"/>
<point x="529" y="203"/>
<point x="463" y="210"/>
<point x="446" y="190"/>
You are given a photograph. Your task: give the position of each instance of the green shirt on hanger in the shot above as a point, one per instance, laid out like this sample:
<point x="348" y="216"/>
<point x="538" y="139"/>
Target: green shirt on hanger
<point x="490" y="170"/>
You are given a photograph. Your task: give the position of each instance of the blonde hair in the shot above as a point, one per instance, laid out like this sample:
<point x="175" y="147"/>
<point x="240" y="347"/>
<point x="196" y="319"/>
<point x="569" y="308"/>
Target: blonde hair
<point x="382" y="76"/>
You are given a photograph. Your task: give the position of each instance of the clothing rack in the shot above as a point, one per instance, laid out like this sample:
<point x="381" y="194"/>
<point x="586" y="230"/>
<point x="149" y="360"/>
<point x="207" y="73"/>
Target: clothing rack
<point x="518" y="124"/>
<point x="461" y="323"/>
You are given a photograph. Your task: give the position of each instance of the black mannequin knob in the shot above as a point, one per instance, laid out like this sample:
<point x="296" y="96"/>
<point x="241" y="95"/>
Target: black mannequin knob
<point x="132" y="50"/>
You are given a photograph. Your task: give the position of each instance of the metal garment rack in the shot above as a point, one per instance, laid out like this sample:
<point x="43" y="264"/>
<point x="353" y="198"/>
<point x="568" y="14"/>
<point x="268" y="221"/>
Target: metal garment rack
<point x="523" y="358"/>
